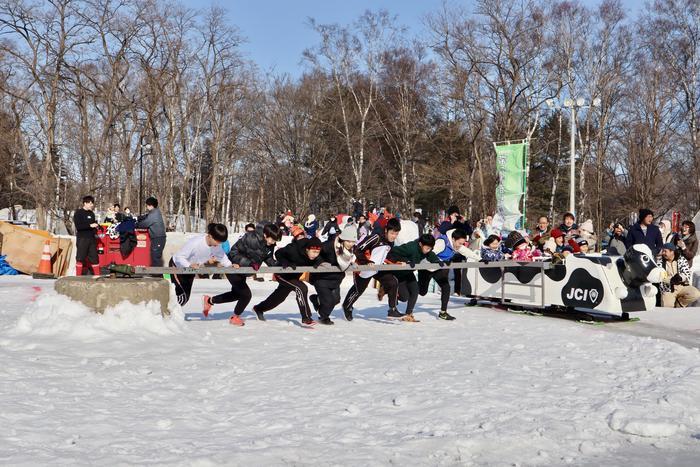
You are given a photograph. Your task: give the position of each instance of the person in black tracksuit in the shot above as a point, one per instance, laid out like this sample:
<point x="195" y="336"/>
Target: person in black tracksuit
<point x="251" y="250"/>
<point x="412" y="253"/>
<point x="304" y="252"/>
<point x="373" y="249"/>
<point x="335" y="252"/>
<point x="85" y="240"/>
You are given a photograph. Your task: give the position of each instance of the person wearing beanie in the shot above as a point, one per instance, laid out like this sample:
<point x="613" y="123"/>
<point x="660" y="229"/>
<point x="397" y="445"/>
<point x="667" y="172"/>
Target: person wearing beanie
<point x="587" y="231"/>
<point x="304" y="252"/>
<point x="335" y="252"/>
<point x="645" y="232"/>
<point x="556" y="242"/>
<point x="374" y="249"/>
<point x="311" y="226"/>
<point x="297" y="232"/>
<point x="583" y="246"/>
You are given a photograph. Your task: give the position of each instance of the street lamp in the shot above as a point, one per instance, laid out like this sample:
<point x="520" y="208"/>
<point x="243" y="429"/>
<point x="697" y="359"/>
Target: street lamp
<point x="572" y="104"/>
<point x="147" y="147"/>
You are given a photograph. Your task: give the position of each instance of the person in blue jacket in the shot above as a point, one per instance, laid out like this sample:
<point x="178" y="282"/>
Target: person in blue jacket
<point x="645" y="232"/>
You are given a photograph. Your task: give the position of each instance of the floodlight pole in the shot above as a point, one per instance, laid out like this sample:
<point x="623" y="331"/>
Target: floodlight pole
<point x="572" y="168"/>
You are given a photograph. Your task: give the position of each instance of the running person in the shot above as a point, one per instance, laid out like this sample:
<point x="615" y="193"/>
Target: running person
<point x="202" y="250"/>
<point x="374" y="250"/>
<point x="412" y="253"/>
<point x="304" y="252"/>
<point x="447" y="245"/>
<point x="334" y="252"/>
<point x="251" y="250"/>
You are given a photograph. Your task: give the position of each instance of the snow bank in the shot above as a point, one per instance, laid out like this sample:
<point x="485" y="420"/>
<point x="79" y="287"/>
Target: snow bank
<point x="53" y="314"/>
<point x="489" y="389"/>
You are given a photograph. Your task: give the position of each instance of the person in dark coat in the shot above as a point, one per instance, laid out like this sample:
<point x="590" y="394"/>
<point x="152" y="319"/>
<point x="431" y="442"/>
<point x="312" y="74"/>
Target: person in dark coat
<point x="304" y="252"/>
<point x="85" y="239"/>
<point x="337" y="252"/>
<point x="645" y="232"/>
<point x="331" y="229"/>
<point x="251" y="250"/>
<point x="153" y="221"/>
<point x="688" y="242"/>
<point x="412" y="253"/>
<point x="569" y="226"/>
<point x="455" y="221"/>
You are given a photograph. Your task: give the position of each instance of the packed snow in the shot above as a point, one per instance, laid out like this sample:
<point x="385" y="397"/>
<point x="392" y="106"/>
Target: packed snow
<point x="491" y="388"/>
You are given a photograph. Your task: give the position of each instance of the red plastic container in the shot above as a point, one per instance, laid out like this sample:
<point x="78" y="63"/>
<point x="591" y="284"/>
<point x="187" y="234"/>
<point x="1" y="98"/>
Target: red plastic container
<point x="108" y="249"/>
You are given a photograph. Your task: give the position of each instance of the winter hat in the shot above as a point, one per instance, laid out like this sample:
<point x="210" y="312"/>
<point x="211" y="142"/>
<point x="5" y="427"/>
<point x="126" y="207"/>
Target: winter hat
<point x="644" y="212"/>
<point x="581" y="241"/>
<point x="311" y="218"/>
<point x="349" y="234"/>
<point x="587" y="226"/>
<point x="669" y="246"/>
<point x="556" y="233"/>
<point x="313" y="244"/>
<point x="296" y="230"/>
<point x="666" y="225"/>
<point x="514" y="239"/>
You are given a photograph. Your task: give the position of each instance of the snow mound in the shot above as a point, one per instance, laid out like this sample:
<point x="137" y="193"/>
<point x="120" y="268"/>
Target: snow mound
<point x="620" y="421"/>
<point x="53" y="314"/>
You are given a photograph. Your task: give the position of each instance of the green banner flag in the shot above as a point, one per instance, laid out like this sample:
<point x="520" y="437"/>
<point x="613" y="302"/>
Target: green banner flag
<point x="511" y="164"/>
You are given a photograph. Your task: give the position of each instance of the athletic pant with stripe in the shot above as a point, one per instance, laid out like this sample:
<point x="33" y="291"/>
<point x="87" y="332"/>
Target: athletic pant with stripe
<point x="386" y="278"/>
<point x="284" y="288"/>
<point x="183" y="285"/>
<point x="443" y="281"/>
<point x="239" y="292"/>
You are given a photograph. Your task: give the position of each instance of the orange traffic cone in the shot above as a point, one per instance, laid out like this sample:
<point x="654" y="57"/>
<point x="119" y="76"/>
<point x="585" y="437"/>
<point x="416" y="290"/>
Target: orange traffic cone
<point x="44" y="271"/>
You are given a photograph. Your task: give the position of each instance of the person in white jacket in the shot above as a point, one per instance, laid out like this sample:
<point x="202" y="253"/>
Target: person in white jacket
<point x="200" y="251"/>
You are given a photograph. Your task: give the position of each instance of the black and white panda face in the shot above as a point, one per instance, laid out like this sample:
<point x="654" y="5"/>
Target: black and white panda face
<point x="640" y="267"/>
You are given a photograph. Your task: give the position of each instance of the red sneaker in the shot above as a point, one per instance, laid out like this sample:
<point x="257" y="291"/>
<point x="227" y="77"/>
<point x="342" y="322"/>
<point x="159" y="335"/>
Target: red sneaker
<point x="236" y="320"/>
<point x="206" y="305"/>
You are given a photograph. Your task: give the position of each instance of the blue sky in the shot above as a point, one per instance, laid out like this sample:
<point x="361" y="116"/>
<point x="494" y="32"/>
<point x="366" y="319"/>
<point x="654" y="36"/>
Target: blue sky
<point x="277" y="30"/>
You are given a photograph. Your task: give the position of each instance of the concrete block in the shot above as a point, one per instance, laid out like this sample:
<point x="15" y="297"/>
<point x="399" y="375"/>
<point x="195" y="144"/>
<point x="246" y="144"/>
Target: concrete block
<point x="98" y="293"/>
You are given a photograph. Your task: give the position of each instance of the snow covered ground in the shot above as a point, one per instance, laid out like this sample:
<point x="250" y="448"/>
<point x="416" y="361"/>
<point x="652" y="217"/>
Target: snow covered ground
<point x="492" y="388"/>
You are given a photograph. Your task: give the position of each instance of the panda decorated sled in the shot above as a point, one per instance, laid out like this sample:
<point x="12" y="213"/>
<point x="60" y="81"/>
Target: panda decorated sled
<point x="584" y="284"/>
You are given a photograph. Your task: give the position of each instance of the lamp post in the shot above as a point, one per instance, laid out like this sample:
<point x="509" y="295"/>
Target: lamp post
<point x="147" y="146"/>
<point x="572" y="104"/>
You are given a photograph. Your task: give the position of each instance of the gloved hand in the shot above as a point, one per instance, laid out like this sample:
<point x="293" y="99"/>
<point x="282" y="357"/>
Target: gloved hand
<point x="412" y="264"/>
<point x="286" y="265"/>
<point x="255" y="266"/>
<point x="441" y="263"/>
<point x="448" y="262"/>
<point x="677" y="279"/>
